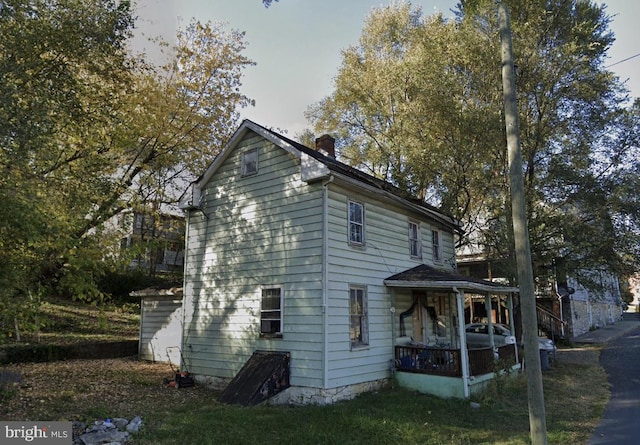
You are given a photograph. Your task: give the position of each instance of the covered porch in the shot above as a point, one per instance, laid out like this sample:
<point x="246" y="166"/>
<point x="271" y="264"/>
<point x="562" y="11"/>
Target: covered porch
<point x="430" y="311"/>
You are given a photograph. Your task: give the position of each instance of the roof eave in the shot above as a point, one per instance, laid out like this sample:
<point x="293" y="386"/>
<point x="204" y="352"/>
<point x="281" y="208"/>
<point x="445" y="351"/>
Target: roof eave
<point x="440" y="217"/>
<point x="463" y="285"/>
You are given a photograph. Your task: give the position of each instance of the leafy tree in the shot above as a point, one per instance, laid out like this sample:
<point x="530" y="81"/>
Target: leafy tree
<point x="418" y="102"/>
<point x="90" y="129"/>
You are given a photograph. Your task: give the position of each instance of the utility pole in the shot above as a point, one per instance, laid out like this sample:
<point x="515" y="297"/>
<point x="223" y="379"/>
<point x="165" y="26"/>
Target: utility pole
<point x="537" y="419"/>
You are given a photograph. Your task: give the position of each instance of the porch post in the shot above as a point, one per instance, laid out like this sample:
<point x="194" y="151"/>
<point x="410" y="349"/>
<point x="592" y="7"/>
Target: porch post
<point x="464" y="354"/>
<point x="392" y="310"/>
<point x="487" y="305"/>
<point x="512" y="322"/>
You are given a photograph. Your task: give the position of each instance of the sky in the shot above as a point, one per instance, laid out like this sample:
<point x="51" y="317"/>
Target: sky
<point x="297" y="45"/>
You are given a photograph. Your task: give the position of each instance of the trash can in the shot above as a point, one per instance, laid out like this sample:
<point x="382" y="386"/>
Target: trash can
<point x="544" y="359"/>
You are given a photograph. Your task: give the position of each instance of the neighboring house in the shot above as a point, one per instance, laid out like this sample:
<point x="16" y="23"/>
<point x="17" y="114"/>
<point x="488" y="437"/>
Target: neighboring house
<point x="583" y="306"/>
<point x="291" y="252"/>
<point x="155" y="242"/>
<point x="567" y="307"/>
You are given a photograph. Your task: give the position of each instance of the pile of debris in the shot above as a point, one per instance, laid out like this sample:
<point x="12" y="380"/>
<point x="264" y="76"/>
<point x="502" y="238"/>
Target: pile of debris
<point x="111" y="431"/>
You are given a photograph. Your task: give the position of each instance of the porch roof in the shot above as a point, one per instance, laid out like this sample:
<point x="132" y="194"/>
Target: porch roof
<point x="427" y="277"/>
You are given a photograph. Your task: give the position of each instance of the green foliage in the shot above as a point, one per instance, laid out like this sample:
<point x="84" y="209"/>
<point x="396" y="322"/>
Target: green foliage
<point x="419" y="103"/>
<point x="90" y="130"/>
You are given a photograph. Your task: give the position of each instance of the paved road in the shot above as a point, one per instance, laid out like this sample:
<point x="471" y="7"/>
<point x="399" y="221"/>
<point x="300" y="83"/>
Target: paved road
<point x="620" y="424"/>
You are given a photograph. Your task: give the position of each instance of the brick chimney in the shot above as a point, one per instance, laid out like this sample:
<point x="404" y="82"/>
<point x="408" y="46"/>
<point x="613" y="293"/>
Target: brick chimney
<point x="326" y="145"/>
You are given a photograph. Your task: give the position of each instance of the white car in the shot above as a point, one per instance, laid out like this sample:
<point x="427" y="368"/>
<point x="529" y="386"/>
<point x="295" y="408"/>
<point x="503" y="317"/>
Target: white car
<point x="478" y="337"/>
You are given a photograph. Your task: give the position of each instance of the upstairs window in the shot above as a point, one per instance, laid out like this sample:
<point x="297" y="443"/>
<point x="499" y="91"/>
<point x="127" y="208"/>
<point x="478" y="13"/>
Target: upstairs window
<point x="356" y="223"/>
<point x="415" y="247"/>
<point x="250" y="162"/>
<point x="271" y="312"/>
<point x="436" y="245"/>
<point x="359" y="330"/>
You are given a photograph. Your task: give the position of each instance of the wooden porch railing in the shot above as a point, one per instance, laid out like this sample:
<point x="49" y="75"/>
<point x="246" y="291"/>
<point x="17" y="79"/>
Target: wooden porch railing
<point x="444" y="361"/>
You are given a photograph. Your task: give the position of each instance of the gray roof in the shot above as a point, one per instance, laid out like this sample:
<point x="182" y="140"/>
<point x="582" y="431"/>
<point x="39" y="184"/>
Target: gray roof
<point x="427" y="277"/>
<point x="369" y="180"/>
<point x="191" y="197"/>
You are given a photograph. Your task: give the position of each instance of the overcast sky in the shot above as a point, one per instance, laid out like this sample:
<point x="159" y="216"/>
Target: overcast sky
<point x="297" y="43"/>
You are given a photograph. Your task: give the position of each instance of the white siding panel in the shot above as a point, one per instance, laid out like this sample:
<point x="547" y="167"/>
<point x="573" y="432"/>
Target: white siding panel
<point x="160" y="329"/>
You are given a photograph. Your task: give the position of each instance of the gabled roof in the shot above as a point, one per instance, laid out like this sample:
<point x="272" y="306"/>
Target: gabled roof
<point x="328" y="166"/>
<point x="427" y="277"/>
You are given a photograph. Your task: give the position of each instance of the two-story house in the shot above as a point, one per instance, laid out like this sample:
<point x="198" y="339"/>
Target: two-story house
<point x="290" y="251"/>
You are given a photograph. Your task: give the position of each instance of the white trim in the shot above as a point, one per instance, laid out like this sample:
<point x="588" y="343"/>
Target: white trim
<point x="281" y="292"/>
<point x="244" y="163"/>
<point x="436" y="249"/>
<point x="325" y="281"/>
<point x="364" y="333"/>
<point x="417" y="239"/>
<point x="362" y="224"/>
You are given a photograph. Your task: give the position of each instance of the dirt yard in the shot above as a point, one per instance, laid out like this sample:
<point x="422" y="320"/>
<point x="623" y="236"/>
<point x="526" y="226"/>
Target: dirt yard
<point x="88" y="390"/>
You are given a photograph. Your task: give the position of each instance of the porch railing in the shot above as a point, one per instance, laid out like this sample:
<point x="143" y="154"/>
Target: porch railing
<point x="444" y="361"/>
<point x="483" y="360"/>
<point x="426" y="360"/>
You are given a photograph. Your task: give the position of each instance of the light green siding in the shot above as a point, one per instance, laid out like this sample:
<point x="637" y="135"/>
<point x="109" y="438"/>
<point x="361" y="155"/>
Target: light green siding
<point x="255" y="231"/>
<point x="267" y="230"/>
<point x="385" y="252"/>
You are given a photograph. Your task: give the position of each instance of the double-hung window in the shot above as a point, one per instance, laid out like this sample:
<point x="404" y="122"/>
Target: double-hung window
<point x="359" y="330"/>
<point x="271" y="312"/>
<point x="356" y="223"/>
<point x="250" y="162"/>
<point x="415" y="247"/>
<point x="436" y="245"/>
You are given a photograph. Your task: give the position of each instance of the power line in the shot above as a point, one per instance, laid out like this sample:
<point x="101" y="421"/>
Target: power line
<point x="623" y="60"/>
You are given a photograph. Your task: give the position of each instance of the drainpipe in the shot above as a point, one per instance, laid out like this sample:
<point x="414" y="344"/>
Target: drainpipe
<point x="325" y="280"/>
<point x="464" y="354"/>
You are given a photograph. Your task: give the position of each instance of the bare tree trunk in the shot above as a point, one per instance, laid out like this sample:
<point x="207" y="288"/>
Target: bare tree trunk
<point x="537" y="419"/>
<point x="17" y="329"/>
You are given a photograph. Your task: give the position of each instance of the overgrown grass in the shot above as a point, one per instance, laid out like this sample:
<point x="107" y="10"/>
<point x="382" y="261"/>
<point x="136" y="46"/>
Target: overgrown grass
<point x="575" y="395"/>
<point x="575" y="399"/>
<point x="65" y="322"/>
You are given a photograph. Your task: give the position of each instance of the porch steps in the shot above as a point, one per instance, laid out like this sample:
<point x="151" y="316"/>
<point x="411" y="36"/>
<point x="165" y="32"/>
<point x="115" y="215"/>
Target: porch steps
<point x="265" y="374"/>
<point x="549" y="322"/>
